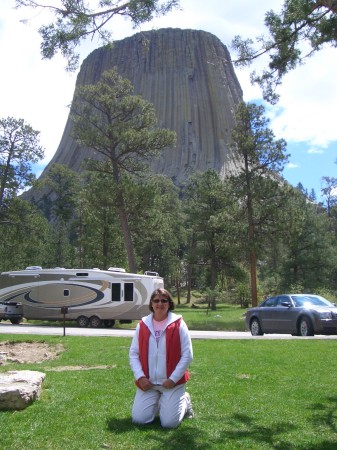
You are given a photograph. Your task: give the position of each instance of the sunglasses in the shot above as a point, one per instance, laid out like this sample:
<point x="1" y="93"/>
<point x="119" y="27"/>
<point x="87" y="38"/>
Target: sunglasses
<point x="161" y="300"/>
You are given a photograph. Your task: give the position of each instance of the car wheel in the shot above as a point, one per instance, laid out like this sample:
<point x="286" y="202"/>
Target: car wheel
<point x="95" y="322"/>
<point x="305" y="327"/>
<point x="255" y="328"/>
<point x="82" y="321"/>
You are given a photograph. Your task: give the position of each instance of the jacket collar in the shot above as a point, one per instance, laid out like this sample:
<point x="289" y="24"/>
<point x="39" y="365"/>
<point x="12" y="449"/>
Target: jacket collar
<point x="172" y="317"/>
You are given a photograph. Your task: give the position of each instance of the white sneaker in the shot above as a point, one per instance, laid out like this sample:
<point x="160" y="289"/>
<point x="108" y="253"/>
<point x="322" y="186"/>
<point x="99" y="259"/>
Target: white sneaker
<point x="189" y="414"/>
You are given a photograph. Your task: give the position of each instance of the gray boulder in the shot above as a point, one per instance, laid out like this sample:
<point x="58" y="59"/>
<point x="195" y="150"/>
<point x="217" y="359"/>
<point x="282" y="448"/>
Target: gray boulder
<point x="19" y="388"/>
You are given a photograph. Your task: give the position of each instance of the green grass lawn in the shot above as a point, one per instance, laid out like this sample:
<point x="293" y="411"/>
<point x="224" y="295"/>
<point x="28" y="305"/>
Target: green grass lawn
<point x="247" y="394"/>
<point x="224" y="318"/>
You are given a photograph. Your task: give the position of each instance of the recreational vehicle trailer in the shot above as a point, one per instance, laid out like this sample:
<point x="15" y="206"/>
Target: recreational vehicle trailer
<point x="90" y="296"/>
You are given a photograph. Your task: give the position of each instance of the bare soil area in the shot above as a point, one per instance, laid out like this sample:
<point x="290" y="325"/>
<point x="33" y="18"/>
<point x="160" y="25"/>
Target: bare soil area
<point x="37" y="352"/>
<point x="28" y="352"/>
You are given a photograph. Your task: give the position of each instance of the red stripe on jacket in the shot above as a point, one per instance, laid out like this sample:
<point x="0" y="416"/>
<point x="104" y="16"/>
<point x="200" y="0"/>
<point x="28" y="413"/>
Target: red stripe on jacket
<point x="173" y="349"/>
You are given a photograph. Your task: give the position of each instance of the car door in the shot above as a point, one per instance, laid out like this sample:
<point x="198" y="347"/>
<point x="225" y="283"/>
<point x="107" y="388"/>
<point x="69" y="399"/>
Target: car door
<point x="265" y="314"/>
<point x="283" y="315"/>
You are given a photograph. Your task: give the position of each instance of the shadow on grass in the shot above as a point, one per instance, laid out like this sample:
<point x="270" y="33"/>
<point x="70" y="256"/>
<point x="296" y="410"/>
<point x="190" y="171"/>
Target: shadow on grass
<point x="235" y="431"/>
<point x="325" y="414"/>
<point x="241" y="427"/>
<point x="274" y="436"/>
<point x="170" y="439"/>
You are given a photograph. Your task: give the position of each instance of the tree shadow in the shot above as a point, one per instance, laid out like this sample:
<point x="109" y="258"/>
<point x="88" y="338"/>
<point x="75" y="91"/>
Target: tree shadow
<point x="326" y="414"/>
<point x="185" y="436"/>
<point x="236" y="429"/>
<point x="240" y="427"/>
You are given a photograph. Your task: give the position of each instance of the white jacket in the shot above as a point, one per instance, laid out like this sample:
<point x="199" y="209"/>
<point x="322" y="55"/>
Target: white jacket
<point x="157" y="352"/>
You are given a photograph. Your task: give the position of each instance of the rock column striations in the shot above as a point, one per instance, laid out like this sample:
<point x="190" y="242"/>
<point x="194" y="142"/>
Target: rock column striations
<point x="189" y="77"/>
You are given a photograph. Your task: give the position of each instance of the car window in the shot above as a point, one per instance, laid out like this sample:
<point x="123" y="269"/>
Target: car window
<point x="269" y="302"/>
<point x="282" y="298"/>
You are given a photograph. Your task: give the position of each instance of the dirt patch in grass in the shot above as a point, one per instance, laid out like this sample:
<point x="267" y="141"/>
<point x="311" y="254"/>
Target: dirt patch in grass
<point x="37" y="352"/>
<point x="64" y="368"/>
<point x="28" y="352"/>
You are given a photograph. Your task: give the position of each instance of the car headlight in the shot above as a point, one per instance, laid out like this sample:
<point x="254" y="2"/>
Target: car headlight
<point x="325" y="315"/>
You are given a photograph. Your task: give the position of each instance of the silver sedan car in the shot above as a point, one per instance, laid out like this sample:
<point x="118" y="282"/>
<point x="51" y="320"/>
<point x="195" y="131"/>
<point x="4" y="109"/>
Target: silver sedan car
<point x="297" y="314"/>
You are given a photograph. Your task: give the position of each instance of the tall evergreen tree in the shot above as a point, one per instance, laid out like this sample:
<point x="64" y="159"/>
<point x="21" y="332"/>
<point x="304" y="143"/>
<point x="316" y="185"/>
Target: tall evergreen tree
<point x="309" y="244"/>
<point x="62" y="188"/>
<point x="155" y="213"/>
<point x="329" y="191"/>
<point x="19" y="149"/>
<point x="25" y="239"/>
<point x="122" y="129"/>
<point x="209" y="225"/>
<point x="255" y="185"/>
<point x="99" y="241"/>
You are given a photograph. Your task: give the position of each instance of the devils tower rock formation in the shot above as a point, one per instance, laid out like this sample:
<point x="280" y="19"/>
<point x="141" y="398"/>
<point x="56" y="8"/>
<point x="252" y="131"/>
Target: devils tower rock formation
<point x="189" y="77"/>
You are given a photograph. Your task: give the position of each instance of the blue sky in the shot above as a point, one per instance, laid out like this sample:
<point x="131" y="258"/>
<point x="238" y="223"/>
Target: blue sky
<point x="308" y="165"/>
<point x="40" y="91"/>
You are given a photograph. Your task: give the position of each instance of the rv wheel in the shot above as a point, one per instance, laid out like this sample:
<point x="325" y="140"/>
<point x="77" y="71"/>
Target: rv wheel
<point x="95" y="322"/>
<point x="108" y="323"/>
<point x="82" y="321"/>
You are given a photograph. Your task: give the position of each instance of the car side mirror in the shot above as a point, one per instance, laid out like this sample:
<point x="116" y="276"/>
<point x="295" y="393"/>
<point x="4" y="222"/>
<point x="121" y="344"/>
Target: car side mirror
<point x="286" y="304"/>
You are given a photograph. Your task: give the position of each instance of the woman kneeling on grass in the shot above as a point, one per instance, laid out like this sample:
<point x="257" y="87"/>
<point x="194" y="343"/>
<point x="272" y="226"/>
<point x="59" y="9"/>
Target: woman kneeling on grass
<point x="160" y="354"/>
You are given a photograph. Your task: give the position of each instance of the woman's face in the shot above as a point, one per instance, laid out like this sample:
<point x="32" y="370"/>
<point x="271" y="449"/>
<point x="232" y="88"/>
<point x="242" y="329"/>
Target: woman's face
<point x="160" y="304"/>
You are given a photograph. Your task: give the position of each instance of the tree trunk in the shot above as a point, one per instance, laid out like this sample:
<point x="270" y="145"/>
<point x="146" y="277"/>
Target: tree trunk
<point x="190" y="270"/>
<point x="213" y="278"/>
<point x="189" y="283"/>
<point x="178" y="289"/>
<point x="105" y="242"/>
<point x="126" y="232"/>
<point x="253" y="277"/>
<point x="4" y="179"/>
<point x="252" y="254"/>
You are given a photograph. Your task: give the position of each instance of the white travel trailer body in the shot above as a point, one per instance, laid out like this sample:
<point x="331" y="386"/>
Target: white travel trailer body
<point x="89" y="296"/>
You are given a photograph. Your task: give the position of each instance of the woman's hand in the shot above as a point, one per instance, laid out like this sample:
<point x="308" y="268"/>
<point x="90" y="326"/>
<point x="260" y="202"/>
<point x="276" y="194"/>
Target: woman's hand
<point x="145" y="384"/>
<point x="169" y="384"/>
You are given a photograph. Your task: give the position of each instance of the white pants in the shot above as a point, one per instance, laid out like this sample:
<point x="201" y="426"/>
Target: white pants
<point x="171" y="405"/>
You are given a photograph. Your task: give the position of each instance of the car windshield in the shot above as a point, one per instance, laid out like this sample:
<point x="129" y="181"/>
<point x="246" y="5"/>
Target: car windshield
<point x="310" y="300"/>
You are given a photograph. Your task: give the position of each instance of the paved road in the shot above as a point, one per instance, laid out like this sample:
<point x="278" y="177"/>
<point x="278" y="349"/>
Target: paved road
<point x="46" y="330"/>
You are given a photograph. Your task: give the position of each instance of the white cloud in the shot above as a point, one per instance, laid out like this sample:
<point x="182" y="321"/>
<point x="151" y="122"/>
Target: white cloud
<point x="292" y="166"/>
<point x="34" y="90"/>
<point x="315" y="151"/>
<point x="306" y="110"/>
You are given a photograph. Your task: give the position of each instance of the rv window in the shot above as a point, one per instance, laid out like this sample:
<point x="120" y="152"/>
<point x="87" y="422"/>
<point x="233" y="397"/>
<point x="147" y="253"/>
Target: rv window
<point x="115" y="292"/>
<point x="128" y="292"/>
<point x="82" y="274"/>
<point x="66" y="292"/>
